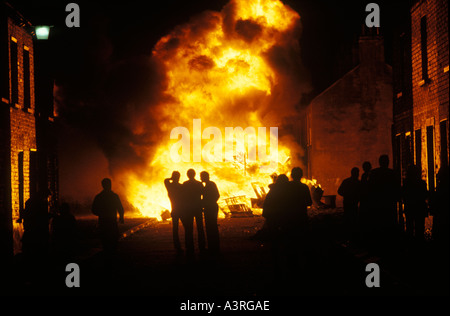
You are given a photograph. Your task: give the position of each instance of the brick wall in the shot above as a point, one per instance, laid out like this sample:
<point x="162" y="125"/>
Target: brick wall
<point x="22" y="124"/>
<point x="350" y="122"/>
<point x="403" y="127"/>
<point x="430" y="95"/>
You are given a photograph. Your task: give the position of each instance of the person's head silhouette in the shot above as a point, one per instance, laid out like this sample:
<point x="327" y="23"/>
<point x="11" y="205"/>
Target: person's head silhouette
<point x="366" y="166"/>
<point x="282" y="178"/>
<point x="413" y="172"/>
<point x="355" y="173"/>
<point x="384" y="161"/>
<point x="65" y="209"/>
<point x="296" y="173"/>
<point x="175" y="176"/>
<point x="204" y="176"/>
<point x="190" y="174"/>
<point x="106" y="184"/>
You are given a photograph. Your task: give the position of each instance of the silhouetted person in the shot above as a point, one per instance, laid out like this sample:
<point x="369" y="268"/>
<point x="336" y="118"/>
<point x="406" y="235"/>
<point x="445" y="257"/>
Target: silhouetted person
<point x="364" y="203"/>
<point x="276" y="211"/>
<point x="350" y="190"/>
<point x="415" y="195"/>
<point x="210" y="208"/>
<point x="301" y="199"/>
<point x="276" y="204"/>
<point x="35" y="240"/>
<point x="175" y="192"/>
<point x="441" y="207"/>
<point x="35" y="217"/>
<point x="193" y="210"/>
<point x="106" y="206"/>
<point x="64" y="232"/>
<point x="297" y="225"/>
<point x="384" y="195"/>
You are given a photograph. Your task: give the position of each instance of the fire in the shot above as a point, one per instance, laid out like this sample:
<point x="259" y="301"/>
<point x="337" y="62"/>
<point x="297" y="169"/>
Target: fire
<point x="219" y="69"/>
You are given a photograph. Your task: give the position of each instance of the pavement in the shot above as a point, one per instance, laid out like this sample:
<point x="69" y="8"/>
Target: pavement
<point x="146" y="263"/>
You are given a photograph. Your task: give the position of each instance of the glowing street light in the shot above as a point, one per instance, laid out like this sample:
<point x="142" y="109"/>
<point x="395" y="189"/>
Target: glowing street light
<point x="42" y="32"/>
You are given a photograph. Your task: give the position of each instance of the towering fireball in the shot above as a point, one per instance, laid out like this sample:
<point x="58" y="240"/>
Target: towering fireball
<point x="239" y="68"/>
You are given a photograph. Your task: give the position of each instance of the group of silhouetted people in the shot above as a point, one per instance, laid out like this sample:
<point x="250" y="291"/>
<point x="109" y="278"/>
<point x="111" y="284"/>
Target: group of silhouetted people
<point x="287" y="227"/>
<point x="373" y="204"/>
<point x="371" y="208"/>
<point x="46" y="230"/>
<point x="191" y="201"/>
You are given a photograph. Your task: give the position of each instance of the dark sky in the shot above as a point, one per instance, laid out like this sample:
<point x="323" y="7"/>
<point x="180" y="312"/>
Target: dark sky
<point x="330" y="28"/>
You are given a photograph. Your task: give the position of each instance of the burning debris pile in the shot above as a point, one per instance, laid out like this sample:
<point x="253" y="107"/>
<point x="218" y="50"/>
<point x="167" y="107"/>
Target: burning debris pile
<point x="238" y="67"/>
<point x="220" y="91"/>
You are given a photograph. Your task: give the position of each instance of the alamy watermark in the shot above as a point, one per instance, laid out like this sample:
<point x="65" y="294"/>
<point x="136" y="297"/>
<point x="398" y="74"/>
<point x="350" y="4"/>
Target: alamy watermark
<point x="251" y="143"/>
<point x="373" y="18"/>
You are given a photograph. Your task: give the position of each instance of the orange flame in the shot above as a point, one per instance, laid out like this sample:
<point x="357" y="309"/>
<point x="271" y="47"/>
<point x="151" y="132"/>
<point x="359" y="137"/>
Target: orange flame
<point x="219" y="70"/>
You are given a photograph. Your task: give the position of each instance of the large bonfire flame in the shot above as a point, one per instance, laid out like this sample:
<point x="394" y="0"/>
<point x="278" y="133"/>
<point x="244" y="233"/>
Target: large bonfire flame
<point x="234" y="68"/>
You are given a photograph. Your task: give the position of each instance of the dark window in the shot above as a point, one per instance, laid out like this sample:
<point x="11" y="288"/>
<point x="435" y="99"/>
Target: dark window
<point x="418" y="147"/>
<point x="20" y="166"/>
<point x="444" y="143"/>
<point x="430" y="155"/>
<point x="4" y="68"/>
<point x="14" y="73"/>
<point x="33" y="173"/>
<point x="398" y="154"/>
<point x="403" y="59"/>
<point x="423" y="47"/>
<point x="26" y="79"/>
<point x="408" y="159"/>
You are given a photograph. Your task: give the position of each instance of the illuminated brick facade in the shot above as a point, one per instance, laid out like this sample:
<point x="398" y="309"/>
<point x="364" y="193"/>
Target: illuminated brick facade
<point x="27" y="139"/>
<point x="350" y="122"/>
<point x="421" y="89"/>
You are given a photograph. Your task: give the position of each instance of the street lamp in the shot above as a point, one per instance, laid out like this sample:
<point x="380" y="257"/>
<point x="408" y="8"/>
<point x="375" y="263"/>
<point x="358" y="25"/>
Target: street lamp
<point x="42" y="32"/>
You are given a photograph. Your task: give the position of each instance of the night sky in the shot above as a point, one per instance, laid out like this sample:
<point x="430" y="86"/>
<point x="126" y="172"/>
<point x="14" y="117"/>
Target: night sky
<point x="330" y="28"/>
<point x="108" y="55"/>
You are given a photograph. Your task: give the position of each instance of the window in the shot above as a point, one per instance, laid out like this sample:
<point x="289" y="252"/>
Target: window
<point x="444" y="143"/>
<point x="403" y="58"/>
<point x="21" y="191"/>
<point x="430" y="159"/>
<point x="33" y="172"/>
<point x="408" y="159"/>
<point x="14" y="72"/>
<point x="26" y="78"/>
<point x="423" y="47"/>
<point x="418" y="147"/>
<point x="398" y="153"/>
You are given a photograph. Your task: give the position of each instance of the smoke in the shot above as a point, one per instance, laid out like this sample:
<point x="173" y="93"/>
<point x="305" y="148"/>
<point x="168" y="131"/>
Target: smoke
<point x="122" y="105"/>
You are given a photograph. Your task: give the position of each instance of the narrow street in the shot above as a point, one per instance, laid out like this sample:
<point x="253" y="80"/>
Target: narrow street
<point x="147" y="264"/>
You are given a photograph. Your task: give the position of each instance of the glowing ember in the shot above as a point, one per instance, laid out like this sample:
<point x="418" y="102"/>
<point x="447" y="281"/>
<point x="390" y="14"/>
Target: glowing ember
<point x="231" y="68"/>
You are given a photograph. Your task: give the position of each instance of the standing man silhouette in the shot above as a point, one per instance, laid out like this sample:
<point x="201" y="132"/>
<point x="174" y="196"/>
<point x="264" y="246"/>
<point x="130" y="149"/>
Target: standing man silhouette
<point x="175" y="191"/>
<point x="385" y="192"/>
<point x="364" y="202"/>
<point x="193" y="210"/>
<point x="106" y="205"/>
<point x="350" y="190"/>
<point x="35" y="218"/>
<point x="415" y="196"/>
<point x="299" y="228"/>
<point x="211" y="208"/>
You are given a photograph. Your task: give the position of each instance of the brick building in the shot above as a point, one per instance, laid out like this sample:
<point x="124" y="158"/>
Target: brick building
<point x="27" y="159"/>
<point x="350" y="122"/>
<point x="420" y="70"/>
